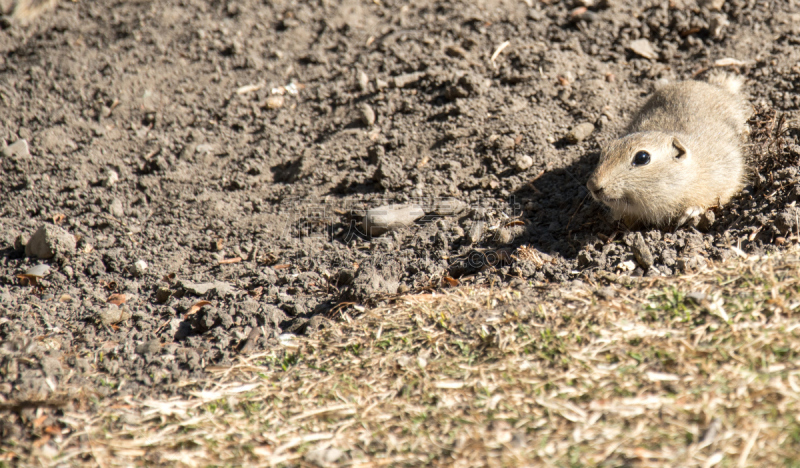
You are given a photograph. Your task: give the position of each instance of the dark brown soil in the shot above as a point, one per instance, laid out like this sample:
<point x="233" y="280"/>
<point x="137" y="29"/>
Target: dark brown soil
<point x="245" y="154"/>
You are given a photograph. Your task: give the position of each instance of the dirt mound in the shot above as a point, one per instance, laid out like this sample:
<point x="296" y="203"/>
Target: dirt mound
<point x="215" y="162"/>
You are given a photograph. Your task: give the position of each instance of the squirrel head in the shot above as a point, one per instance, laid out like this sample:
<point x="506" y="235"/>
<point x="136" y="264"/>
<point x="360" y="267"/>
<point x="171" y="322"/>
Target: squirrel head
<point x="643" y="176"/>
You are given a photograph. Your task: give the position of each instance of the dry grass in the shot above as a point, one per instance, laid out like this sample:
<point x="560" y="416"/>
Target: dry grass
<point x="700" y="370"/>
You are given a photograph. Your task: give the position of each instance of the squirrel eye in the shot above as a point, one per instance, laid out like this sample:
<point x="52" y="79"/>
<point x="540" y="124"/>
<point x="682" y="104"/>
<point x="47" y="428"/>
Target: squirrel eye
<point x="641" y="158"/>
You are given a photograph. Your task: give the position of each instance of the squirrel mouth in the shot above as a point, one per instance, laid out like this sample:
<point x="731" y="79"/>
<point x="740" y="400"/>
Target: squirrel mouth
<point x="614" y="203"/>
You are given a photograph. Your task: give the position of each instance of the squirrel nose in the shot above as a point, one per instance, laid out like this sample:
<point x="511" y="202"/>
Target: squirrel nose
<point x="592" y="186"/>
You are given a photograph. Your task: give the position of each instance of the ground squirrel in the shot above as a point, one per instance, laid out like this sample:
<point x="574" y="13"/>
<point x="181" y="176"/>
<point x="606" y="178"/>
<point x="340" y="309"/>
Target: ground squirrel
<point x="680" y="155"/>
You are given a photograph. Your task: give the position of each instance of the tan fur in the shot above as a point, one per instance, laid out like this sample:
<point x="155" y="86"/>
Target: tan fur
<point x="694" y="133"/>
<point x="25" y="11"/>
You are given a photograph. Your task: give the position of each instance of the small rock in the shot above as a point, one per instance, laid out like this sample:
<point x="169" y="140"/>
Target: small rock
<point x="523" y="163"/>
<point x="69" y="271"/>
<point x="408" y="79"/>
<point x="367" y="115"/>
<point x="475" y="233"/>
<point x="717" y="24"/>
<point x="150" y="347"/>
<point x="448" y="207"/>
<point x="139" y="267"/>
<point x="38" y="271"/>
<point x="48" y="241"/>
<point x="381" y="84"/>
<point x="111" y="179"/>
<point x="221" y="288"/>
<point x="505" y="143"/>
<point x="390" y="217"/>
<point x="643" y="48"/>
<point x="641" y="252"/>
<point x="580" y="132"/>
<point x="18" y="149"/>
<point x="363" y="81"/>
<point x="113" y="314"/>
<point x="275" y="102"/>
<point x="205" y="148"/>
<point x="115" y="208"/>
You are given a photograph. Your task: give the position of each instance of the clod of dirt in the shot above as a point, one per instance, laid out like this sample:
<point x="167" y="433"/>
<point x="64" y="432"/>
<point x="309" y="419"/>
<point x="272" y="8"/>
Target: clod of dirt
<point x="643" y="48"/>
<point x="150" y="347"/>
<point x="111" y="178"/>
<point x="20" y="242"/>
<point x="50" y="240"/>
<point x="220" y="288"/>
<point x="387" y="218"/>
<point x="163" y="294"/>
<point x="113" y="314"/>
<point x="375" y="277"/>
<point x="209" y="317"/>
<point x="706" y="221"/>
<point x="641" y="252"/>
<point x="580" y="132"/>
<point x="787" y="220"/>
<point x="115" y="208"/>
<point x="19" y="149"/>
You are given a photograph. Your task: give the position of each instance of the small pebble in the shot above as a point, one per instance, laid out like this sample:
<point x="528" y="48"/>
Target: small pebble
<point x="524" y="163"/>
<point x="150" y="347"/>
<point x="363" y="81"/>
<point x="115" y="208"/>
<point x="139" y="267"/>
<point x="275" y="102"/>
<point x="643" y="48"/>
<point x="367" y="115"/>
<point x="390" y="217"/>
<point x="580" y="132"/>
<point x="408" y="79"/>
<point x="113" y="314"/>
<point x="38" y="271"/>
<point x="111" y="179"/>
<point x="448" y="207"/>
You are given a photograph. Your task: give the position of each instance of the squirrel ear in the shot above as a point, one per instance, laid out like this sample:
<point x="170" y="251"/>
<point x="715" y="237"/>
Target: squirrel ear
<point x="679" y="148"/>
